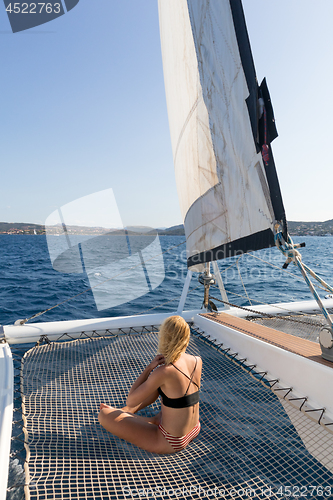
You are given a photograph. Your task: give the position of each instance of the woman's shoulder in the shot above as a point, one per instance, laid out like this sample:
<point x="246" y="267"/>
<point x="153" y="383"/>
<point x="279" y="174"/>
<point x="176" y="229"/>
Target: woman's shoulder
<point x="190" y="361"/>
<point x="163" y="369"/>
<point x="164" y="373"/>
<point x="197" y="365"/>
<point x="197" y="358"/>
<point x="198" y="361"/>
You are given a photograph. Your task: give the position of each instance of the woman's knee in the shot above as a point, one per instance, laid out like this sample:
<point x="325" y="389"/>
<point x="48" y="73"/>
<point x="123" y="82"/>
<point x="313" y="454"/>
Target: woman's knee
<point x="101" y="417"/>
<point x="104" y="414"/>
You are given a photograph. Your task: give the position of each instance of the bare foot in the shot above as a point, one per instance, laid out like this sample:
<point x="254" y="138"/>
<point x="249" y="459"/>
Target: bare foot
<point x="103" y="405"/>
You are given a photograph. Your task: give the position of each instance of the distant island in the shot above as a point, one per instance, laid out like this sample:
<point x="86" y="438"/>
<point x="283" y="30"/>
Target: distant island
<point x="27" y="228"/>
<point x="295" y="229"/>
<point x="311" y="228"/>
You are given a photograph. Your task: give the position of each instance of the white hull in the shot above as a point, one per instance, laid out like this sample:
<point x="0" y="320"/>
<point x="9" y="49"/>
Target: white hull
<point x="306" y="378"/>
<point x="19" y="334"/>
<point x="6" y="413"/>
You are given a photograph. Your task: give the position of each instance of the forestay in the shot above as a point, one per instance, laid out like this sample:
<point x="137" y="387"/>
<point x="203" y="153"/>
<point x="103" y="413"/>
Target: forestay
<point x="230" y="199"/>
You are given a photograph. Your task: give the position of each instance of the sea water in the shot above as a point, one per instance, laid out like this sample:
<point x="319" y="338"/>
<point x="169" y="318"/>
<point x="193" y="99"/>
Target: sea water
<point x="30" y="284"/>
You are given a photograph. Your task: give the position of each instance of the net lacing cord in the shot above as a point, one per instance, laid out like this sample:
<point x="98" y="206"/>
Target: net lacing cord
<point x="24" y="462"/>
<point x="261" y="376"/>
<point x="18" y="421"/>
<point x="22" y="322"/>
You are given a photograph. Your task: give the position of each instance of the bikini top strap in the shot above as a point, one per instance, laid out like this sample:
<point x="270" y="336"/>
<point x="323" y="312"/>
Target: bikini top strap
<point x="190" y="378"/>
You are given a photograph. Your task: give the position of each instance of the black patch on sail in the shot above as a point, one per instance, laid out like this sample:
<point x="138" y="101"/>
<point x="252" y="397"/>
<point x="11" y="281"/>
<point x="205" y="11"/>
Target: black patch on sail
<point x="257" y="124"/>
<point x="256" y="241"/>
<point x="271" y="126"/>
<point x="270" y="169"/>
<point x="247" y="63"/>
<point x="275" y="192"/>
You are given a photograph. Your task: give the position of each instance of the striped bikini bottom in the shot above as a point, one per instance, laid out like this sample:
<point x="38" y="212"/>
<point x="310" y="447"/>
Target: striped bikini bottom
<point x="178" y="443"/>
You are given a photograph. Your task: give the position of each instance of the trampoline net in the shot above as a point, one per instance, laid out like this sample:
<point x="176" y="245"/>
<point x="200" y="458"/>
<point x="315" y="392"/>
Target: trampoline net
<point x="306" y="326"/>
<point x="247" y="448"/>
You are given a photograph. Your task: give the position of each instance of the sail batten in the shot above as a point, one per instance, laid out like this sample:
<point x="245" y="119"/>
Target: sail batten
<point x="225" y="189"/>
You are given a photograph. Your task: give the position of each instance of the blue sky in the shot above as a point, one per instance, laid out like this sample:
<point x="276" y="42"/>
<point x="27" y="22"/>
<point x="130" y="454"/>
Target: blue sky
<point x="82" y="109"/>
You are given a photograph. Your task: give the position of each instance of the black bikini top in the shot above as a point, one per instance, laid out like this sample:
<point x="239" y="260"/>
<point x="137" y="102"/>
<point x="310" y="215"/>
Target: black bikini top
<point x="186" y="400"/>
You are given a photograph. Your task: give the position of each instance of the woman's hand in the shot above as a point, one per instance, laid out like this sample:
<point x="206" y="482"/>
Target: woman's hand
<point x="158" y="360"/>
<point x="146" y="385"/>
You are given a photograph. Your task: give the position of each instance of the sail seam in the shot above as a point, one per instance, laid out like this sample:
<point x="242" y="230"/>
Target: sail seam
<point x="208" y="222"/>
<point x="195" y="105"/>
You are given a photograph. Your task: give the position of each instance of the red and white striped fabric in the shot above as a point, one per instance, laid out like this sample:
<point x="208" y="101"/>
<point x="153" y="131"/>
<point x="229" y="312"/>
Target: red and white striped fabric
<point x="178" y="443"/>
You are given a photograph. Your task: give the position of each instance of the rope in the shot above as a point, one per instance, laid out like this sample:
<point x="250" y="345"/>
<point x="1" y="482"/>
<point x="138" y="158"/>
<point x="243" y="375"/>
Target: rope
<point x="243" y="283"/>
<point x="288" y="248"/>
<point x="276" y="267"/>
<point x="267" y="315"/>
<point x="91" y="287"/>
<point x="271" y="305"/>
<point x="299" y="278"/>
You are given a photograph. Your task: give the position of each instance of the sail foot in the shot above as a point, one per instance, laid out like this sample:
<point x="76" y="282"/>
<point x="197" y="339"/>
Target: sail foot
<point x="250" y="243"/>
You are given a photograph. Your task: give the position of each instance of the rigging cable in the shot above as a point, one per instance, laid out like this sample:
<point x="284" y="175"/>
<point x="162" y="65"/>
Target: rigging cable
<point x="236" y="263"/>
<point x="243" y="283"/>
<point x="267" y="315"/>
<point x="325" y="287"/>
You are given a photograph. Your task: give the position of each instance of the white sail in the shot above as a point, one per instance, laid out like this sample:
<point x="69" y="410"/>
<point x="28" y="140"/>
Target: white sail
<point x="221" y="180"/>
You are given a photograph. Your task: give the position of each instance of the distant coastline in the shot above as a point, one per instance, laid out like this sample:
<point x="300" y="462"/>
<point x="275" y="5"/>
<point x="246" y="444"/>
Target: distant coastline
<point x="27" y="228"/>
<point x="296" y="228"/>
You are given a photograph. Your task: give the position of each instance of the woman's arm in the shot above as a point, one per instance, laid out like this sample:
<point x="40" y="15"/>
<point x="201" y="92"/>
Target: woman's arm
<point x="140" y="389"/>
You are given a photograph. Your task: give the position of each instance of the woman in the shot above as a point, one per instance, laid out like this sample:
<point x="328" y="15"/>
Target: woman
<point x="175" y="376"/>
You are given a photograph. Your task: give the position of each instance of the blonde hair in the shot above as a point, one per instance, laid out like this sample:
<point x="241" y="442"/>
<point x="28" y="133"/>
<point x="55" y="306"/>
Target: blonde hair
<point x="173" y="338"/>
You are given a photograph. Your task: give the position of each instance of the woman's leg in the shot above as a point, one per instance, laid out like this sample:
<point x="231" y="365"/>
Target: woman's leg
<point x="134" y="429"/>
<point x="146" y="402"/>
<point x="155" y="419"/>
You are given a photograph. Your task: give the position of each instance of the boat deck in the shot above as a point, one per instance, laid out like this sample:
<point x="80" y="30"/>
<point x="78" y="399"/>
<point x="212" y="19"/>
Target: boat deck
<point x="247" y="442"/>
<point x="291" y="343"/>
